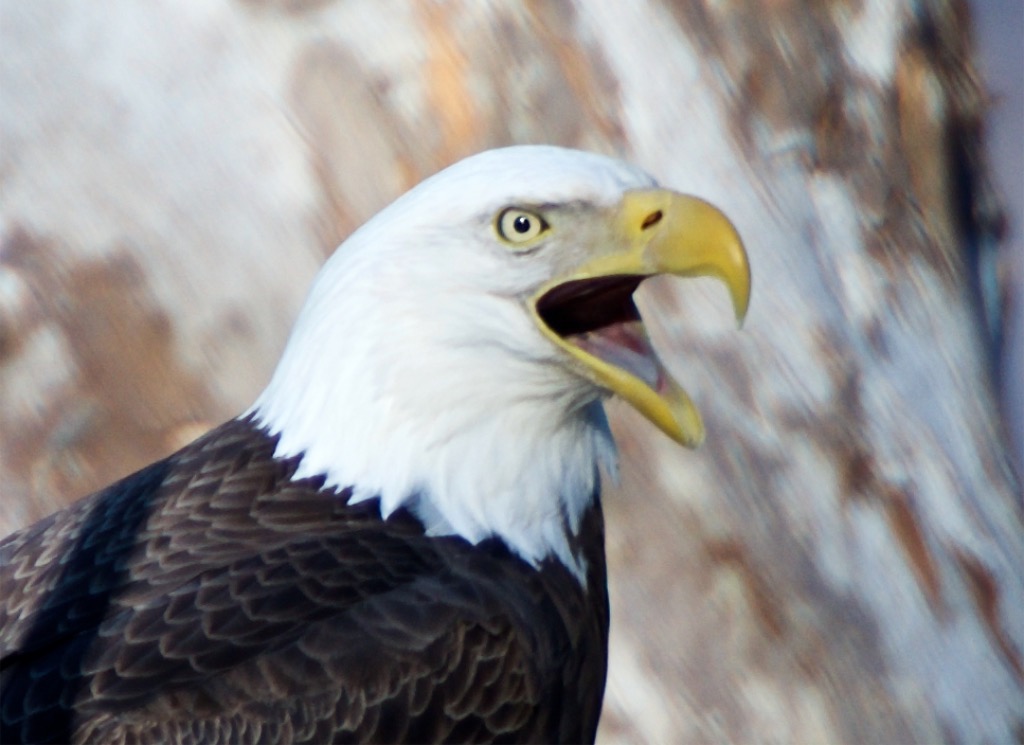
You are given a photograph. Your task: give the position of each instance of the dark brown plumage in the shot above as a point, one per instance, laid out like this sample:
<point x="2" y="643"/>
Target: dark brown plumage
<point x="210" y="597"/>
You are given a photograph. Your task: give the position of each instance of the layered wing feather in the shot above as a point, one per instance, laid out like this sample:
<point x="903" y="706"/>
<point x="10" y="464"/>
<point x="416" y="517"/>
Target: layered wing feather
<point x="212" y="598"/>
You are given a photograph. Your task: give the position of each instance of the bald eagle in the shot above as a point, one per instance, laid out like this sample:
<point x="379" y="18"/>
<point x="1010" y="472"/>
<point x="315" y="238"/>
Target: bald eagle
<point x="402" y="539"/>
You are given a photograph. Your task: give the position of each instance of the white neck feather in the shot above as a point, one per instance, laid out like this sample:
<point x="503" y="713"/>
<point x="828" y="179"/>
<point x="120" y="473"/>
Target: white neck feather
<point x="465" y="436"/>
<point x="475" y="468"/>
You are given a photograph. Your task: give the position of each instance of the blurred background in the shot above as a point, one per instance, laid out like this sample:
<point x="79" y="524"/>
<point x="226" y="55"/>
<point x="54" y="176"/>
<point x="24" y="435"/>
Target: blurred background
<point x="841" y="561"/>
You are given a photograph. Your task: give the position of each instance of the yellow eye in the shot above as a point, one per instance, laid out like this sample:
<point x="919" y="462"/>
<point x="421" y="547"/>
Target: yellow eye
<point x="520" y="226"/>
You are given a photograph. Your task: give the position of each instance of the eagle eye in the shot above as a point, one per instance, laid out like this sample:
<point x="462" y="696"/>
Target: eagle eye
<point x="520" y="226"/>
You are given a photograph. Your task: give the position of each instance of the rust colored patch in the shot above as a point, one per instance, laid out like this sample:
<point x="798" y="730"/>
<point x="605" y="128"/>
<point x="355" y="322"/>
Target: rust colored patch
<point x="447" y="73"/>
<point x="985" y="592"/>
<point x="331" y="98"/>
<point x="839" y="142"/>
<point x="902" y="516"/>
<point x="841" y="431"/>
<point x="593" y="86"/>
<point x="922" y="106"/>
<point x="763" y="602"/>
<point x="857" y="470"/>
<point x="125" y="390"/>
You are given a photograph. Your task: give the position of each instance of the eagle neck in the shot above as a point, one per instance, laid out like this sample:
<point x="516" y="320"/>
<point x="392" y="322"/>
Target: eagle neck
<point x="513" y="472"/>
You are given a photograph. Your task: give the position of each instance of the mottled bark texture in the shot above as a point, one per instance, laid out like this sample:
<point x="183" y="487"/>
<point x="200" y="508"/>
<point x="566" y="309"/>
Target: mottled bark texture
<point x="840" y="562"/>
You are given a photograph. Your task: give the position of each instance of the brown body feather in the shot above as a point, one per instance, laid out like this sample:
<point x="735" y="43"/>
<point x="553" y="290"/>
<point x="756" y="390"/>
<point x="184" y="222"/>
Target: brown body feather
<point x="212" y="598"/>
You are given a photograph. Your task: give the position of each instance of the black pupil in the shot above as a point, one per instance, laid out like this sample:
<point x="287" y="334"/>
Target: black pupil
<point x="521" y="224"/>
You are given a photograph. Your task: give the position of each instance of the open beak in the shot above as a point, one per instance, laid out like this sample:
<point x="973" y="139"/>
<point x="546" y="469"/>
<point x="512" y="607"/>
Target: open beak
<point x="590" y="313"/>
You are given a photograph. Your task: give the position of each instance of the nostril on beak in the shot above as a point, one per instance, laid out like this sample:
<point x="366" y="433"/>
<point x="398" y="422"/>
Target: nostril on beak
<point x="651" y="220"/>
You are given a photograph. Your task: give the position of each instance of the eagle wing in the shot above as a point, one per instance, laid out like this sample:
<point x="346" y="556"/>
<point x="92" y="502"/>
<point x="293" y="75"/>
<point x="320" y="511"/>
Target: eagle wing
<point x="211" y="597"/>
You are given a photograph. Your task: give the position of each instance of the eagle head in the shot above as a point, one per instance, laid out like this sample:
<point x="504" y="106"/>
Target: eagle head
<point x="453" y="353"/>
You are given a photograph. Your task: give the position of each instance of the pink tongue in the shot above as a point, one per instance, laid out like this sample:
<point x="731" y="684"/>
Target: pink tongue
<point x="625" y="345"/>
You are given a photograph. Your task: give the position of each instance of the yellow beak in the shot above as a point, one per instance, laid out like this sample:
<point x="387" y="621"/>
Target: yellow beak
<point x="653" y="232"/>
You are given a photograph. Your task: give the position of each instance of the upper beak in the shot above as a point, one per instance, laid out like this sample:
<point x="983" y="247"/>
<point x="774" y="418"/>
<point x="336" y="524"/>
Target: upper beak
<point x="654" y="232"/>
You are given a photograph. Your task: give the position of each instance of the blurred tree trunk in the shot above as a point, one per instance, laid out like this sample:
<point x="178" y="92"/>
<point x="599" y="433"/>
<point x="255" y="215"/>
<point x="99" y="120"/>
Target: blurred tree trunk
<point x="840" y="562"/>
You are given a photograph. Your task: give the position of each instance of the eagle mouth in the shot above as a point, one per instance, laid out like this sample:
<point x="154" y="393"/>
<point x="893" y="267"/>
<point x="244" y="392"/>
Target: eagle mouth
<point x="599" y="317"/>
<point x="590" y="315"/>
